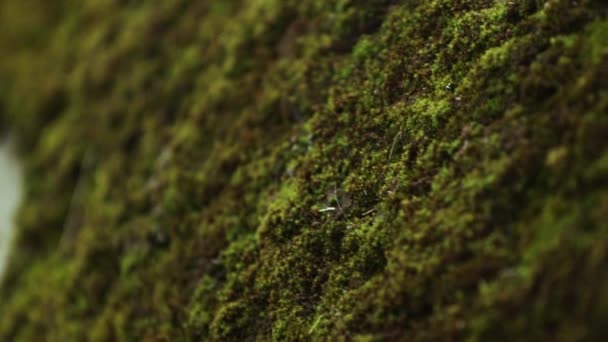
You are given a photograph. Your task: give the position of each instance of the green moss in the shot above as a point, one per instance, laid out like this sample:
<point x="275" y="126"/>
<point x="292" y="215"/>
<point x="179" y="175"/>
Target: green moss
<point x="308" y="170"/>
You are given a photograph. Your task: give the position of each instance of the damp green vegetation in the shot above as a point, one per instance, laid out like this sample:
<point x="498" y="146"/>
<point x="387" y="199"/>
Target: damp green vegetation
<point x="310" y="170"/>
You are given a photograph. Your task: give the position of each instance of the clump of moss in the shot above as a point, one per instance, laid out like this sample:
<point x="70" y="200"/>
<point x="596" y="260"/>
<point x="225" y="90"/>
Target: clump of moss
<point x="308" y="170"/>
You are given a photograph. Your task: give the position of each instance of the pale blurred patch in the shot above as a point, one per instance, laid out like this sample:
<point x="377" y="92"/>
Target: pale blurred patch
<point x="11" y="191"/>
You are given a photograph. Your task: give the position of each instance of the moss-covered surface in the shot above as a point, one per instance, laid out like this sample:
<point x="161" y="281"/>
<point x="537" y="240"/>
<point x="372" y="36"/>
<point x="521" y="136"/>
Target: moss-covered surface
<point x="308" y="170"/>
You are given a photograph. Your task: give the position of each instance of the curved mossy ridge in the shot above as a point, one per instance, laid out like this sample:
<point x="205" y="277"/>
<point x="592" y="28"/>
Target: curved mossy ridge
<point x="308" y="170"/>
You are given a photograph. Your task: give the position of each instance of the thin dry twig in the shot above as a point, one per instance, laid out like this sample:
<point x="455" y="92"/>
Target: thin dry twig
<point x="69" y="226"/>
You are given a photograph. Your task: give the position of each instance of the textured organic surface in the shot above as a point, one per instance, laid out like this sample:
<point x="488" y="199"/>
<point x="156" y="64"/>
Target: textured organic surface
<point x="308" y="169"/>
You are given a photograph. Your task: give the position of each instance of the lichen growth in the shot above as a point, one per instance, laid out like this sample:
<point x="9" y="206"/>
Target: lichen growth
<point x="179" y="157"/>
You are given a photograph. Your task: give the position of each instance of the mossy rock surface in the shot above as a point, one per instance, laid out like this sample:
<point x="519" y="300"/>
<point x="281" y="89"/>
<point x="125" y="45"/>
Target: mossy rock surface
<point x="308" y="170"/>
